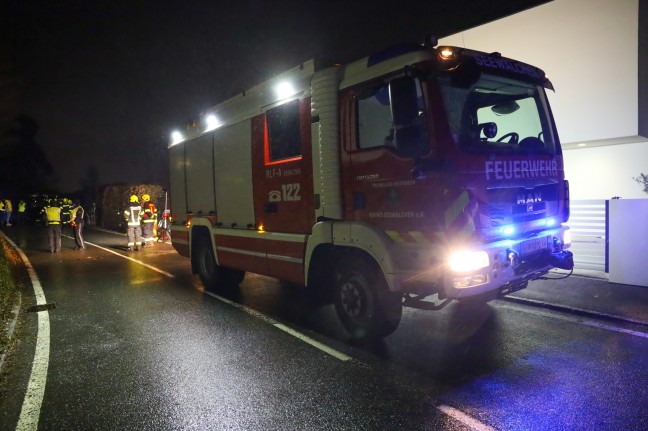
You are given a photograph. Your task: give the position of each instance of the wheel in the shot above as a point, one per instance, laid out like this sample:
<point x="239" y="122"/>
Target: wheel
<point x="207" y="267"/>
<point x="213" y="276"/>
<point x="363" y="302"/>
<point x="513" y="138"/>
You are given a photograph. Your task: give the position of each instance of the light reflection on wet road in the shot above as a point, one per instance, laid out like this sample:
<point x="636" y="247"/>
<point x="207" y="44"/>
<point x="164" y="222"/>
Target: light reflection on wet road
<point x="134" y="349"/>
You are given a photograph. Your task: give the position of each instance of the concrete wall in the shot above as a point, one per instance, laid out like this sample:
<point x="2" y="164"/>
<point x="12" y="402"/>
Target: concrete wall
<point x="592" y="52"/>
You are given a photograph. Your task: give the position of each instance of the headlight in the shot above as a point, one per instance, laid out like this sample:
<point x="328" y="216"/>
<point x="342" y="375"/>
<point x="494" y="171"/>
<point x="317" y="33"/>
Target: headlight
<point x="466" y="261"/>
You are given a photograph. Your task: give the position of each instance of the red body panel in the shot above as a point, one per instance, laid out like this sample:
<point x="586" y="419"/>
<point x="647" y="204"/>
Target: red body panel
<point x="283" y="190"/>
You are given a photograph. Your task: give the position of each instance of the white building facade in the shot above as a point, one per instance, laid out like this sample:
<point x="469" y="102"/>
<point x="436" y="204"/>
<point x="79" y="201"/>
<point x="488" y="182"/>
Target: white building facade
<point x="595" y="52"/>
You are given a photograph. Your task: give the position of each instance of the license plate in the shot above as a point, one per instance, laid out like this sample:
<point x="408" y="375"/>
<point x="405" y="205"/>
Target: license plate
<point x="532" y="245"/>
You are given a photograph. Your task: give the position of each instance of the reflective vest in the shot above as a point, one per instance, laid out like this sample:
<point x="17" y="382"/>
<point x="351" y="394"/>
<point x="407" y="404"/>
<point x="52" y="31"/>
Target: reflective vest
<point x="133" y="215"/>
<point x="149" y="213"/>
<point x="53" y="215"/>
<point x="75" y="213"/>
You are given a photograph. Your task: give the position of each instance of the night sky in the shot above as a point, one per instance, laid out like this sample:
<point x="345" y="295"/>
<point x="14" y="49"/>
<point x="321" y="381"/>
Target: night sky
<point x="107" y="81"/>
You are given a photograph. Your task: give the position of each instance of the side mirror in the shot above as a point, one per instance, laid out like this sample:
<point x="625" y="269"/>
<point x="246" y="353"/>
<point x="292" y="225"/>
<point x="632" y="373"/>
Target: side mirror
<point x="489" y="129"/>
<point x="409" y="128"/>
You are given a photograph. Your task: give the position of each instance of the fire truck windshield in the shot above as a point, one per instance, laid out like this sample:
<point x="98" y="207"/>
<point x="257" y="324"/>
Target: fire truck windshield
<point x="499" y="115"/>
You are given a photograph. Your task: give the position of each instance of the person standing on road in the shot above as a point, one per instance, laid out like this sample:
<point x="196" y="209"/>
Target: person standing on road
<point x="9" y="209"/>
<point x="149" y="217"/>
<point x="66" y="207"/>
<point x="133" y="218"/>
<point x="77" y="221"/>
<point x="20" y="215"/>
<point x="52" y="216"/>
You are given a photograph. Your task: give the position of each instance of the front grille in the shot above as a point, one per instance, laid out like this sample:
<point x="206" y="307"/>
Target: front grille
<point x="517" y="205"/>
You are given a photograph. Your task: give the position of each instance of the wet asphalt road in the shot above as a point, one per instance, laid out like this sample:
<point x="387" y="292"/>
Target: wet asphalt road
<point x="136" y="348"/>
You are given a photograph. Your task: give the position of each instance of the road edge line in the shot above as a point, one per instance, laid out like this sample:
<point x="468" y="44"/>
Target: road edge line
<point x="31" y="407"/>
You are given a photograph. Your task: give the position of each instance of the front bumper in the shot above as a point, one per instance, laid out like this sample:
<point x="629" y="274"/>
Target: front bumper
<point x="512" y="263"/>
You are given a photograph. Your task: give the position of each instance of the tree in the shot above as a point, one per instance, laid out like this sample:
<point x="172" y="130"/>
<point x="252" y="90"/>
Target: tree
<point x="24" y="167"/>
<point x="643" y="180"/>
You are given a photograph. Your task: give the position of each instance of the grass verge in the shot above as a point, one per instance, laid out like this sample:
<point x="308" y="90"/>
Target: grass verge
<point x="8" y="289"/>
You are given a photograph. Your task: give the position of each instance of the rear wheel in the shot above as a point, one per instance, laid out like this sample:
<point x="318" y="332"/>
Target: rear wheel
<point x="213" y="276"/>
<point x="363" y="302"/>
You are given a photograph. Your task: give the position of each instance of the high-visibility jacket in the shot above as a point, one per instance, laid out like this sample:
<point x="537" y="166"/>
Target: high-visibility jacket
<point x="53" y="215"/>
<point x="77" y="214"/>
<point x="133" y="215"/>
<point x="149" y="213"/>
<point x="65" y="213"/>
<point x="8" y="205"/>
<point x="22" y="206"/>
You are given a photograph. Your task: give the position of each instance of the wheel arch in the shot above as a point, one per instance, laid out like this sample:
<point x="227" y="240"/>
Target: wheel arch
<point x="332" y="240"/>
<point x="197" y="232"/>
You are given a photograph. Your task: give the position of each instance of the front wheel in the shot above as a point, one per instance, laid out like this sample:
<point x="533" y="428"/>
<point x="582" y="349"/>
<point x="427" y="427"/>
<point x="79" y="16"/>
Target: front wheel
<point x="213" y="276"/>
<point x="363" y="302"/>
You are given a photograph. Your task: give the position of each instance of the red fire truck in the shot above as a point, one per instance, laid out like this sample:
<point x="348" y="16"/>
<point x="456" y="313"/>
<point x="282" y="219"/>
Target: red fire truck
<point x="417" y="171"/>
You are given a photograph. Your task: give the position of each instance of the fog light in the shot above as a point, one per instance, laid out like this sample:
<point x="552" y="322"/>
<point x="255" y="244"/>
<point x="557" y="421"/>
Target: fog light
<point x="469" y="281"/>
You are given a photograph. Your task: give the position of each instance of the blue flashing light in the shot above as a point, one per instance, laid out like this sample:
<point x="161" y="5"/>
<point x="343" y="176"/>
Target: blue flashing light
<point x="507" y="230"/>
<point x="551" y="222"/>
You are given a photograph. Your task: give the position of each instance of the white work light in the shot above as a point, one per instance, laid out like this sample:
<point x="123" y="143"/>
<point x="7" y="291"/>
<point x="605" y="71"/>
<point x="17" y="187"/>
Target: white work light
<point x="211" y="123"/>
<point x="176" y="137"/>
<point x="284" y="89"/>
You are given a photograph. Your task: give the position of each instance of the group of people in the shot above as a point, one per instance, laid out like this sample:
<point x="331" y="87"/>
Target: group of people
<point x="7" y="214"/>
<point x="140" y="220"/>
<point x="58" y="214"/>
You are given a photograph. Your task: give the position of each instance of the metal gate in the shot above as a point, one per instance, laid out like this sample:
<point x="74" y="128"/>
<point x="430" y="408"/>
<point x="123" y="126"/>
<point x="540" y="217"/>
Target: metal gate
<point x="588" y="224"/>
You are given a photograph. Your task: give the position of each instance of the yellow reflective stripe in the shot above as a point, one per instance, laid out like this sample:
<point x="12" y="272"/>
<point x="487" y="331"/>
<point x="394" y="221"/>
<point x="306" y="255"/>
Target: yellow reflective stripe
<point x="467" y="230"/>
<point x="395" y="236"/>
<point x="456" y="208"/>
<point x="418" y="237"/>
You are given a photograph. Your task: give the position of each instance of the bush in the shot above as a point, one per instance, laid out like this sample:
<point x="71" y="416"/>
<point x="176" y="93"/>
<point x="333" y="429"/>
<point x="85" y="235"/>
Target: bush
<point x="114" y="199"/>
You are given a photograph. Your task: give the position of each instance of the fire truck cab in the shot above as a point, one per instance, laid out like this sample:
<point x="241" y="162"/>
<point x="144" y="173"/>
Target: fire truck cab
<point x="416" y="171"/>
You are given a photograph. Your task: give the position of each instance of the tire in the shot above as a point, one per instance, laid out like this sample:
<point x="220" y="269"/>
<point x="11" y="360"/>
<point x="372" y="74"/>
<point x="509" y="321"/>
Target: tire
<point x="363" y="302"/>
<point x="213" y="276"/>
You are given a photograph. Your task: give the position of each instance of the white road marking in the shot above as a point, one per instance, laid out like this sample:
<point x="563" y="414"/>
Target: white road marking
<point x="30" y="412"/>
<point x="296" y="334"/>
<point x="574" y="319"/>
<point x="314" y="343"/>
<point x="324" y="348"/>
<point x="161" y="271"/>
<point x="464" y="418"/>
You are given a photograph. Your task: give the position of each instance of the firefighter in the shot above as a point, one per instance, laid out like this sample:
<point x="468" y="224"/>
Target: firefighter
<point x="66" y="208"/>
<point x="133" y="218"/>
<point x="77" y="221"/>
<point x="20" y="216"/>
<point x="52" y="219"/>
<point x="149" y="218"/>
<point x="8" y="209"/>
<point x="2" y="211"/>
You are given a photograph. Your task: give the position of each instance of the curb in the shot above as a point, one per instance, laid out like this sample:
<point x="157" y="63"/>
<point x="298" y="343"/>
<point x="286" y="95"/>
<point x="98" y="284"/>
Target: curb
<point x="575" y="310"/>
